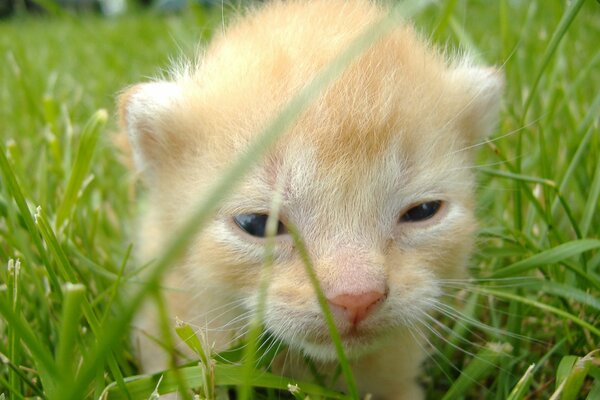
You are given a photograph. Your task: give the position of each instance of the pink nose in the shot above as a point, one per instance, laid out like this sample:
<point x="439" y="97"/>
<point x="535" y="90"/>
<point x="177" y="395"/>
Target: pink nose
<point x="356" y="306"/>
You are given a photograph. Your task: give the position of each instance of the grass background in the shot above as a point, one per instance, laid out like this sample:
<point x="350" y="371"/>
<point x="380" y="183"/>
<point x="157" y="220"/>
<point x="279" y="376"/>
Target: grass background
<point x="534" y="299"/>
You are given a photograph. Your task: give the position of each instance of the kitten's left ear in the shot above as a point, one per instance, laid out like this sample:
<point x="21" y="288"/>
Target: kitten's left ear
<point x="482" y="92"/>
<point x="146" y="114"/>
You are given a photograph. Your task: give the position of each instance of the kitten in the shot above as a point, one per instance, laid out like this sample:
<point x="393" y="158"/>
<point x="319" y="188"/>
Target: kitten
<point x="376" y="176"/>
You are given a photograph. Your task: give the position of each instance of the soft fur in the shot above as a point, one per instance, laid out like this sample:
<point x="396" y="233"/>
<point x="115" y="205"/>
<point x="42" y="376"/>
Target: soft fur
<point x="393" y="131"/>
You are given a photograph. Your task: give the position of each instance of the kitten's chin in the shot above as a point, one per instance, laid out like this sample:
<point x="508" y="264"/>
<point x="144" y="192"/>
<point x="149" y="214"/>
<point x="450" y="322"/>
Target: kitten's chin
<point x="355" y="346"/>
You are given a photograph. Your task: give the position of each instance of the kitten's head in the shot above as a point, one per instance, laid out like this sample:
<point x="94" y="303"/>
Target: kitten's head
<point x="375" y="175"/>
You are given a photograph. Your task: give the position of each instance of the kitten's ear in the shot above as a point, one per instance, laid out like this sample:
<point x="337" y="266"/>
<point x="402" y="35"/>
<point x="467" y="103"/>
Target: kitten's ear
<point x="144" y="111"/>
<point x="480" y="107"/>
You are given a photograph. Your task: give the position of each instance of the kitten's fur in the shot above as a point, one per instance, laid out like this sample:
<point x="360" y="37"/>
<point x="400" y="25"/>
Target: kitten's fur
<point x="392" y="132"/>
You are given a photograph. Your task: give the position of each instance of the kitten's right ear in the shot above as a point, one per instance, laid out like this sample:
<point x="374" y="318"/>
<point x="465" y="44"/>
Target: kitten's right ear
<point x="143" y="113"/>
<point x="482" y="89"/>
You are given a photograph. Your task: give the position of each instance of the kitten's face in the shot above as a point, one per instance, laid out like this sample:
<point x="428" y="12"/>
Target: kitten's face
<point x="356" y="228"/>
<point x="375" y="176"/>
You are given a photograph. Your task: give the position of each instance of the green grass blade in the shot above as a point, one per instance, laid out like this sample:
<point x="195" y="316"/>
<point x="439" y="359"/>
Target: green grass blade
<point x="569" y="292"/>
<point x="43" y="358"/>
<point x="81" y="166"/>
<point x="69" y="274"/>
<point x="68" y="332"/>
<point x="189" y="337"/>
<point x="10" y="181"/>
<point x="168" y="339"/>
<point x="443" y="19"/>
<point x="264" y="282"/>
<point x="482" y="365"/>
<point x="542" y="306"/>
<point x="586" y="130"/>
<point x="141" y="387"/>
<point x="594" y="393"/>
<point x="551" y="256"/>
<point x="557" y="36"/>
<point x="570" y="375"/>
<point x="518" y="177"/>
<point x="333" y="332"/>
<point x="593" y="202"/>
<point x="14" y="268"/>
<point x="521" y="388"/>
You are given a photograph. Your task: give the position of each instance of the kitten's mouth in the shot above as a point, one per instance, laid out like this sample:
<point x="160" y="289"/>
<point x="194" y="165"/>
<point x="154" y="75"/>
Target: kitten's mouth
<point x="356" y="342"/>
<point x="354" y="335"/>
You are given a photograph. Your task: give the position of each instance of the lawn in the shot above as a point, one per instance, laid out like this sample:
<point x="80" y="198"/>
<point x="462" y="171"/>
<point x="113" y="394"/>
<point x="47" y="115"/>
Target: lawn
<point x="527" y="325"/>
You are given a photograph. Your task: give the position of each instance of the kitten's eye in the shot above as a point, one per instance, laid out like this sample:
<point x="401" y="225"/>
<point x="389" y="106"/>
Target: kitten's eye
<point x="256" y="224"/>
<point x="421" y="212"/>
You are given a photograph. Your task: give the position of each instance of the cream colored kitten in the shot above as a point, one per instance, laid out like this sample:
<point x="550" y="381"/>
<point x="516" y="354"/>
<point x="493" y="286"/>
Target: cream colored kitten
<point x="375" y="175"/>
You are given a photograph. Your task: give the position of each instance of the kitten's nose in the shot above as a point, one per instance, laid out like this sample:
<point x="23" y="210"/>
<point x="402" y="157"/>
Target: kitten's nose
<point x="357" y="306"/>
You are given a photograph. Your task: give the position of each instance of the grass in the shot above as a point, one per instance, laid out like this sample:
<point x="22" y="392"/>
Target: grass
<point x="528" y="323"/>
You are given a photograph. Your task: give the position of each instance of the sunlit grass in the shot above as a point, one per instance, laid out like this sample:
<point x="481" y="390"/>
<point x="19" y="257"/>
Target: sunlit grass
<point x="526" y="326"/>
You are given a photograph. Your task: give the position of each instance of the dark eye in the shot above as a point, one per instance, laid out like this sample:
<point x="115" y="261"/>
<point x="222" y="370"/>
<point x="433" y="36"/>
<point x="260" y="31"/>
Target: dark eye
<point x="256" y="224"/>
<point x="421" y="212"/>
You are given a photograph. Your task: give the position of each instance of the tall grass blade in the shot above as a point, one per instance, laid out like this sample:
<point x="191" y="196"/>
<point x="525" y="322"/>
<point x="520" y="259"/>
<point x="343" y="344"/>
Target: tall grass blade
<point x="521" y="388"/>
<point x="551" y="256"/>
<point x="43" y="359"/>
<point x="333" y="332"/>
<point x="81" y="166"/>
<point x="557" y="36"/>
<point x="482" y="365"/>
<point x="570" y="375"/>
<point x="141" y="387"/>
<point x="585" y="129"/>
<point x="264" y="282"/>
<point x="68" y="274"/>
<point x="542" y="306"/>
<point x="14" y="268"/>
<point x="9" y="180"/>
<point x="68" y="332"/>
<point x="592" y="205"/>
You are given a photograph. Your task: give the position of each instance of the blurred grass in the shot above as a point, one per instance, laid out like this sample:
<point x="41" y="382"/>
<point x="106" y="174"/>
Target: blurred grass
<point x="537" y="266"/>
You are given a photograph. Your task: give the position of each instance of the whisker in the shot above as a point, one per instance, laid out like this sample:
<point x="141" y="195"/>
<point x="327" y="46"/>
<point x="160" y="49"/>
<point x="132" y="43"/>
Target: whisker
<point x="497" y="138"/>
<point x="451" y="312"/>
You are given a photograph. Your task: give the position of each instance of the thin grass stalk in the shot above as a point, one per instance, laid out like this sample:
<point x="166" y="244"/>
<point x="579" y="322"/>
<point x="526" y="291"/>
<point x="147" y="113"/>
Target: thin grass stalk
<point x="593" y="200"/>
<point x="333" y="332"/>
<point x="12" y="391"/>
<point x="443" y="19"/>
<point x="522" y="386"/>
<point x="586" y="129"/>
<point x="13" y="341"/>
<point x="42" y="359"/>
<point x="550" y="256"/>
<point x="479" y="368"/>
<point x="555" y="40"/>
<point x="167" y="337"/>
<point x="9" y="180"/>
<point x="265" y="280"/>
<point x="541" y="210"/>
<point x="207" y="364"/>
<point x="34" y="388"/>
<point x="116" y="285"/>
<point x="81" y="166"/>
<point x="545" y="307"/>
